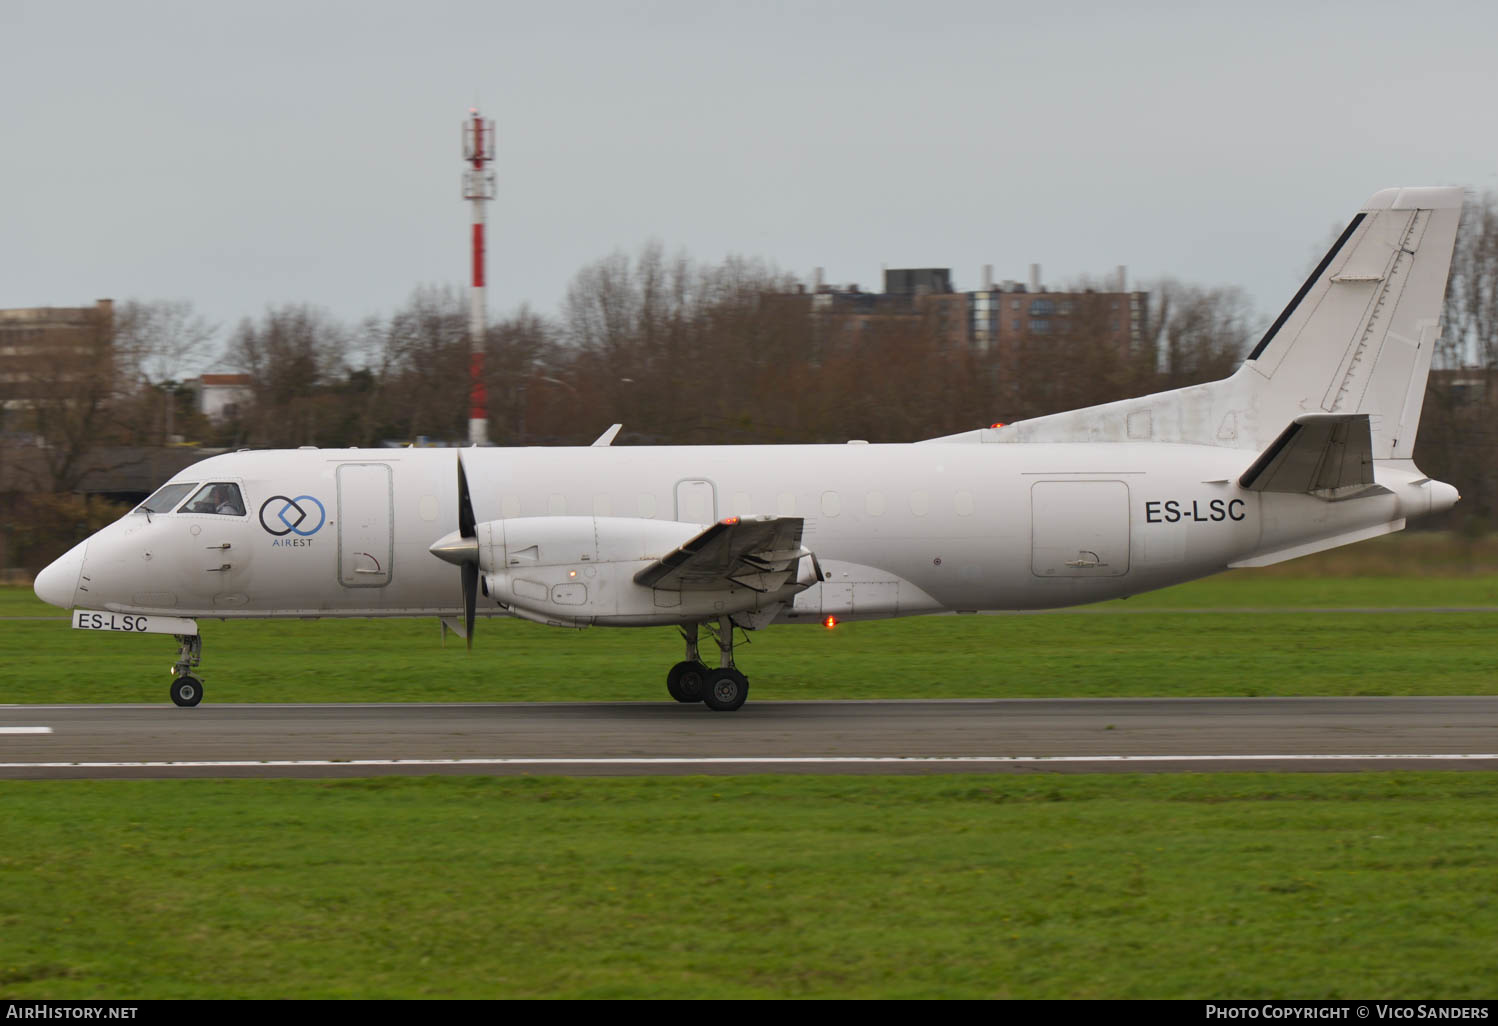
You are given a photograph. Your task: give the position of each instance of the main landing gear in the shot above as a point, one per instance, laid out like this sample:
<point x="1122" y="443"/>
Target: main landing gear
<point x="187" y="690"/>
<point x="723" y="689"/>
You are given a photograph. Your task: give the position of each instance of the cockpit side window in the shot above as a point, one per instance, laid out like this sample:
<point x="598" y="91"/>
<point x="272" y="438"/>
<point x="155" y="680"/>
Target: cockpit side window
<point x="165" y="498"/>
<point x="221" y="497"/>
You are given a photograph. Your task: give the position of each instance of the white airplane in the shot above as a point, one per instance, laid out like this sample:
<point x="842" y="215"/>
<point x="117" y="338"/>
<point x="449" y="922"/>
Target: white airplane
<point x="1306" y="447"/>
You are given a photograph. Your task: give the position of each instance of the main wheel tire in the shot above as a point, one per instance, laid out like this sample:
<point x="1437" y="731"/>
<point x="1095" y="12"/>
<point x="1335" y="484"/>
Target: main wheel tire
<point x="187" y="691"/>
<point x="725" y="690"/>
<point x="686" y="680"/>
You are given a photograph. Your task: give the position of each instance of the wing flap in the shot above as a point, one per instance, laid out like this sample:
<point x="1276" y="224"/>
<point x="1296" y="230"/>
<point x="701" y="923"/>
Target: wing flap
<point x="760" y="553"/>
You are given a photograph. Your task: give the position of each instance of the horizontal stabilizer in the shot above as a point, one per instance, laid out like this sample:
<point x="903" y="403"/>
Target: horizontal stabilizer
<point x="1320" y="545"/>
<point x="1328" y="455"/>
<point x="761" y="553"/>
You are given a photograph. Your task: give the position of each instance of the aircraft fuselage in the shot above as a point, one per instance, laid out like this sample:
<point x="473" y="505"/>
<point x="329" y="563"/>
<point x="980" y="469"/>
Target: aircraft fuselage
<point x="897" y="529"/>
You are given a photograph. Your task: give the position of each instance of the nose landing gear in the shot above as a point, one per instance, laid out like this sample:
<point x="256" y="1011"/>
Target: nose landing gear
<point x="187" y="690"/>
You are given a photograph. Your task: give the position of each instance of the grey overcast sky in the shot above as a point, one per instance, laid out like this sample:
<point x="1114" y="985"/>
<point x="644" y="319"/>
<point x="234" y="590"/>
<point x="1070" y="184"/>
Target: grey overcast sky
<point x="246" y="154"/>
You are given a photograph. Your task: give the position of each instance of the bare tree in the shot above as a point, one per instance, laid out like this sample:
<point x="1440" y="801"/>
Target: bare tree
<point x="1470" y="315"/>
<point x="521" y="351"/>
<point x="601" y="311"/>
<point x="422" y="359"/>
<point x="671" y="348"/>
<point x="1199" y="333"/>
<point x="158" y="345"/>
<point x="1458" y="439"/>
<point x="68" y="409"/>
<point x="159" y="340"/>
<point x="294" y="354"/>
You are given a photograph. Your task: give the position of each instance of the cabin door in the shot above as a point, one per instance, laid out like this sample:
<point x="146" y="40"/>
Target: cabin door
<point x="366" y="525"/>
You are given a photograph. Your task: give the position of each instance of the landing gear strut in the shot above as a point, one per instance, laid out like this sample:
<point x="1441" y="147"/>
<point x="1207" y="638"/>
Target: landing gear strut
<point x="725" y="688"/>
<point x="187" y="690"/>
<point x="687" y="677"/>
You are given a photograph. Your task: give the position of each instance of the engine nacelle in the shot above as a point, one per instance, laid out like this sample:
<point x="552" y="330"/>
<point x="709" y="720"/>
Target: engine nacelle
<point x="572" y="571"/>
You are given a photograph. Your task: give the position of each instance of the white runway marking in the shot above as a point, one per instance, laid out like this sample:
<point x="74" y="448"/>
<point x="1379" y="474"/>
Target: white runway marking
<point x="748" y="760"/>
<point x="25" y="730"/>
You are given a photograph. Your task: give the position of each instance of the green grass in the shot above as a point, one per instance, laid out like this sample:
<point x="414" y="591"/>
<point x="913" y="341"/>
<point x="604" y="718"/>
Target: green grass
<point x="1309" y="886"/>
<point x="1044" y="886"/>
<point x="1251" y="589"/>
<point x="1149" y="650"/>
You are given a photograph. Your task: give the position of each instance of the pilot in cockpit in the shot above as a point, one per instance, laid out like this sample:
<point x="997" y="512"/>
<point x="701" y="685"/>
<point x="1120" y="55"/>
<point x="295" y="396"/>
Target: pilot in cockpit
<point x="226" y="500"/>
<point x="219" y="498"/>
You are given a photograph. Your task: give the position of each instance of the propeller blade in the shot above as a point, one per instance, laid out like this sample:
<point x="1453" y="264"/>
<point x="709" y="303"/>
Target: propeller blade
<point x="470" y="597"/>
<point x="465" y="504"/>
<point x="470" y="565"/>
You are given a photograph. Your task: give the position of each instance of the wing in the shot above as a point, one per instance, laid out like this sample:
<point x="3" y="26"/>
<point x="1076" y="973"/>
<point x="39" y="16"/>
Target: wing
<point x="761" y="553"/>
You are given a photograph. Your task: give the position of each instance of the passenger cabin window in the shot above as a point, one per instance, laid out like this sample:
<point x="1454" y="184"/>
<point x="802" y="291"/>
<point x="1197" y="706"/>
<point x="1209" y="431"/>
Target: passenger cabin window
<point x="165" y="498"/>
<point x="221" y="497"/>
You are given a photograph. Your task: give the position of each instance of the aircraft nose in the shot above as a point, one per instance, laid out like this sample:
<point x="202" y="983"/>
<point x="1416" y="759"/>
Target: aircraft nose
<point x="57" y="584"/>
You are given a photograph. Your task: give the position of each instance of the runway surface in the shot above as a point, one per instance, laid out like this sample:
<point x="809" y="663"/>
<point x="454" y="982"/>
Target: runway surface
<point x="1013" y="735"/>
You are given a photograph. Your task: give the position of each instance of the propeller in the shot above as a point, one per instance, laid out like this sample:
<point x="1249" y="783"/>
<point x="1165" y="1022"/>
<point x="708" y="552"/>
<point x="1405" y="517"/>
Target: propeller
<point x="462" y="549"/>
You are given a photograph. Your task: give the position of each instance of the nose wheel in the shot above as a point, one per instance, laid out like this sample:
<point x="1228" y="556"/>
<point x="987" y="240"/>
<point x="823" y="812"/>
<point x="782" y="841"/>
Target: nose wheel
<point x="187" y="690"/>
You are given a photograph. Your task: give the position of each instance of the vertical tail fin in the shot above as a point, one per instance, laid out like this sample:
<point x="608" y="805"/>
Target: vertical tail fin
<point x="1358" y="336"/>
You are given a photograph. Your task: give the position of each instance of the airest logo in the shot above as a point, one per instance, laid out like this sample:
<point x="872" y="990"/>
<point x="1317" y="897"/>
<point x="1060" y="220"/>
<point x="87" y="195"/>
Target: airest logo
<point x="280" y="515"/>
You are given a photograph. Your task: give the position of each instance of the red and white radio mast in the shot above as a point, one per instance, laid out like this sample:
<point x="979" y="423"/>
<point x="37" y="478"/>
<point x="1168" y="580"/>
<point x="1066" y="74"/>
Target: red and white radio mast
<point x="478" y="189"/>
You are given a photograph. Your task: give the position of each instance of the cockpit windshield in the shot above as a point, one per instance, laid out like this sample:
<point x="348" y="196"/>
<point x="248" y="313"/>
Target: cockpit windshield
<point x="167" y="496"/>
<point x="221" y="497"/>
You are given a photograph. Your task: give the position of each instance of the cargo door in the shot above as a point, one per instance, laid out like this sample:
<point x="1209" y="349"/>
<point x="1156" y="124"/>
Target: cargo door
<point x="1079" y="528"/>
<point x="366" y="525"/>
